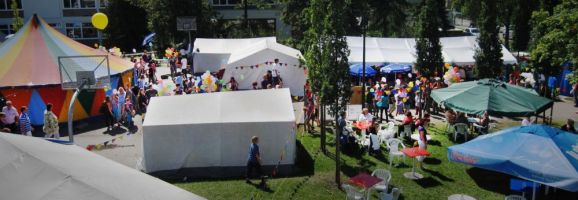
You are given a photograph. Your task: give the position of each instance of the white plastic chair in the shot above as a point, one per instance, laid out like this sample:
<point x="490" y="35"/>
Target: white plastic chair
<point x="385" y="176"/>
<point x="386" y="133"/>
<point x="394" y="151"/>
<point x="352" y="193"/>
<point x="376" y="144"/>
<point x="394" y="195"/>
<point x="349" y="127"/>
<point x="515" y="197"/>
<point x="460" y="128"/>
<point x="406" y="130"/>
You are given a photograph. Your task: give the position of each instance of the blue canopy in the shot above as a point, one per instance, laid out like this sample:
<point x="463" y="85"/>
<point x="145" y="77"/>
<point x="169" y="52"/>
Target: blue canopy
<point x="536" y="153"/>
<point x="396" y="68"/>
<point x="357" y="70"/>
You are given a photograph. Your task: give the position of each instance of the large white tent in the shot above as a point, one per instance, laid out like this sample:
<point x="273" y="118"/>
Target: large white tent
<point x="456" y="50"/>
<point x="212" y="131"/>
<point x="247" y="60"/>
<point x="214" y="53"/>
<point x="290" y="71"/>
<point x="35" y="169"/>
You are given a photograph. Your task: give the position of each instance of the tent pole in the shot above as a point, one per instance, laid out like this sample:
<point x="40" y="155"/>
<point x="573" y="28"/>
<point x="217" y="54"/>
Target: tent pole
<point x="534" y="191"/>
<point x="551" y="113"/>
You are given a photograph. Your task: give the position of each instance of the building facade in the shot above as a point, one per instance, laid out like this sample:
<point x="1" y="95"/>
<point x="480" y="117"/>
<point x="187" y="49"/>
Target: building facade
<point x="73" y="17"/>
<point x="271" y="15"/>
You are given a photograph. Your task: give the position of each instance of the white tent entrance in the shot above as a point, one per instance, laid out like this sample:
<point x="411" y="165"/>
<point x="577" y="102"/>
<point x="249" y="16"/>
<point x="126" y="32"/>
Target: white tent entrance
<point x="208" y="135"/>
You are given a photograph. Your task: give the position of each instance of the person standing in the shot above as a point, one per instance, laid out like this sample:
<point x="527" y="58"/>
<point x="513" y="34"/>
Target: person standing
<point x="106" y="110"/>
<point x="575" y="93"/>
<point x="254" y="160"/>
<point x="3" y="128"/>
<point x="143" y="102"/>
<point x="10" y="119"/>
<point x="129" y="112"/>
<point x="25" y="127"/>
<point x="422" y="144"/>
<point x="50" y="123"/>
<point x="275" y="73"/>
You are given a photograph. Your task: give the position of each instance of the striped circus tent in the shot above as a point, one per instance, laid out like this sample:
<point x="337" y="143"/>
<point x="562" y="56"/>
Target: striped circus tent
<point x="29" y="72"/>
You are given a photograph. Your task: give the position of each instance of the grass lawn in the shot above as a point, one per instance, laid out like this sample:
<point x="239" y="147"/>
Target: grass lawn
<point x="316" y="176"/>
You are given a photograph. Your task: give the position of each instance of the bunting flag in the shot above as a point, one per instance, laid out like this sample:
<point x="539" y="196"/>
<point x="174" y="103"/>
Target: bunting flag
<point x="256" y="66"/>
<point x="102" y="145"/>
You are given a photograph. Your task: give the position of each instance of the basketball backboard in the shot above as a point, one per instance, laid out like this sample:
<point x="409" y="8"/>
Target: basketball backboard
<point x="90" y="72"/>
<point x="186" y="23"/>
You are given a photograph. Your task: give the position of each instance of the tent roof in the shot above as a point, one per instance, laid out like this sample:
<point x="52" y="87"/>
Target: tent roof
<point x="537" y="153"/>
<point x="34" y="169"/>
<point x="227" y="46"/>
<point x="32" y="54"/>
<point x="457" y="50"/>
<point x="273" y="105"/>
<point x="262" y="46"/>
<point x="496" y="97"/>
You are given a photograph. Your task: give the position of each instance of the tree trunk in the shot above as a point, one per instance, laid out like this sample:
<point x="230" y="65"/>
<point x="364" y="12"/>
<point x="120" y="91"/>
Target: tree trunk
<point x="507" y="36"/>
<point x="246" y="17"/>
<point x="322" y="109"/>
<point x="337" y="152"/>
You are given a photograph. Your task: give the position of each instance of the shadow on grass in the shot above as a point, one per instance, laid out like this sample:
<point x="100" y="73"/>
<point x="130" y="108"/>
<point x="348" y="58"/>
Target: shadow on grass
<point x="490" y="180"/>
<point x="434" y="143"/>
<point x="428" y="182"/>
<point x="439" y="175"/>
<point x="432" y="161"/>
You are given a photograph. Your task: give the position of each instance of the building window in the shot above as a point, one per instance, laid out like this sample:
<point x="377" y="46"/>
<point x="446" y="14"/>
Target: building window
<point x="79" y="4"/>
<point x="7" y="29"/>
<point x="81" y="31"/>
<point x="6" y="4"/>
<point x="225" y="2"/>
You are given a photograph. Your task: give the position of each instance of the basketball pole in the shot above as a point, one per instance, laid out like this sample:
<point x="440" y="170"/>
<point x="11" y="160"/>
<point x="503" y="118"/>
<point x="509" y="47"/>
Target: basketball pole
<point x="71" y="111"/>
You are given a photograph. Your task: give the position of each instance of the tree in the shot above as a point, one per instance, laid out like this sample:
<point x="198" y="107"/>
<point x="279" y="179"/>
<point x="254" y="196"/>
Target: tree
<point x="522" y="29"/>
<point x="292" y="14"/>
<point x="469" y="8"/>
<point x="444" y="22"/>
<point x="162" y="19"/>
<point x="128" y="25"/>
<point x="554" y="37"/>
<point x="505" y="16"/>
<point x="245" y="5"/>
<point x="326" y="55"/>
<point x="388" y="18"/>
<point x="489" y="55"/>
<point x="17" y="21"/>
<point x="429" y="49"/>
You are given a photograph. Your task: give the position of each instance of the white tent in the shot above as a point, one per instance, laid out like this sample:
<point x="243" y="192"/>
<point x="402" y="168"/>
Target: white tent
<point x="214" y="53"/>
<point x="213" y="131"/>
<point x="34" y="169"/>
<point x="456" y="50"/>
<point x="266" y="51"/>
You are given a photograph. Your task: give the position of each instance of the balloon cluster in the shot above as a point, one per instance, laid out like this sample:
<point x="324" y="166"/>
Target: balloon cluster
<point x="208" y="82"/>
<point x="452" y="75"/>
<point x="165" y="87"/>
<point x="171" y="52"/>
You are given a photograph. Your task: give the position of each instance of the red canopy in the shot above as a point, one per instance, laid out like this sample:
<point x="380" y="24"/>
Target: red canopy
<point x="415" y="151"/>
<point x="364" y="180"/>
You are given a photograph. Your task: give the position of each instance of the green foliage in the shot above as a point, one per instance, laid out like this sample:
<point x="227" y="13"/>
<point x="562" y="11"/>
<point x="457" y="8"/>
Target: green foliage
<point x="555" y="37"/>
<point x="389" y="18"/>
<point x="292" y="14"/>
<point x="469" y="8"/>
<point x="246" y="29"/>
<point x="127" y="26"/>
<point x="17" y="21"/>
<point x="522" y="29"/>
<point x="326" y="53"/>
<point x="162" y="19"/>
<point x="489" y="57"/>
<point x="429" y="50"/>
<point x="444" y="22"/>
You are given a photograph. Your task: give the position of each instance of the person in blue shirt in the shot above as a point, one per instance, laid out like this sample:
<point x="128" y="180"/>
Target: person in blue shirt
<point x="254" y="160"/>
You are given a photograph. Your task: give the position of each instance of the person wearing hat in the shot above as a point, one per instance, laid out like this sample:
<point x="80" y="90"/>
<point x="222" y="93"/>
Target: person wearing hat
<point x="569" y="126"/>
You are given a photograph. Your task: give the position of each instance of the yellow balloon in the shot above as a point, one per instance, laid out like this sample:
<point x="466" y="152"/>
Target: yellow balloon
<point x="99" y="20"/>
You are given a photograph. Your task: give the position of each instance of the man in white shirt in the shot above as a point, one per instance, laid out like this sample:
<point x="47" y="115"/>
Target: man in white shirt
<point x="184" y="66"/>
<point x="11" y="116"/>
<point x="275" y="72"/>
<point x="365" y="116"/>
